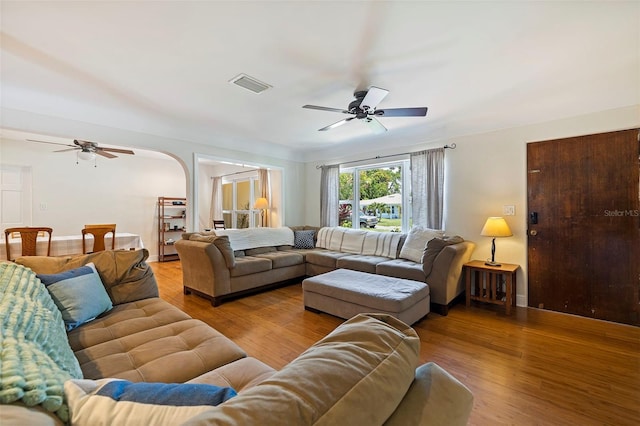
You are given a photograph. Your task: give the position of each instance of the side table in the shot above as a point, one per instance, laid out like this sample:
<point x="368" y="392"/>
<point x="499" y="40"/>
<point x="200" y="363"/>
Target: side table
<point x="487" y="283"/>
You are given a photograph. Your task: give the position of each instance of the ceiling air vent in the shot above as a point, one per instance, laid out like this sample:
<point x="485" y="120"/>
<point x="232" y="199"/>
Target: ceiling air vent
<point x="250" y="83"/>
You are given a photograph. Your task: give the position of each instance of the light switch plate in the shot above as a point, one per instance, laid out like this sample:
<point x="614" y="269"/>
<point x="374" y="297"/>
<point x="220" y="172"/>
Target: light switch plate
<point x="509" y="210"/>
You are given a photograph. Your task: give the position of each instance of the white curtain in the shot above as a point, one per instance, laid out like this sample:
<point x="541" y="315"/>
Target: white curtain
<point x="329" y="197"/>
<point x="265" y="192"/>
<point x="427" y="188"/>
<point x="215" y="211"/>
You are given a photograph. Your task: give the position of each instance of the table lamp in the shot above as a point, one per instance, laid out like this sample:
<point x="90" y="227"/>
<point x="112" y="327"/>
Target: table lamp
<point x="495" y="227"/>
<point x="261" y="204"/>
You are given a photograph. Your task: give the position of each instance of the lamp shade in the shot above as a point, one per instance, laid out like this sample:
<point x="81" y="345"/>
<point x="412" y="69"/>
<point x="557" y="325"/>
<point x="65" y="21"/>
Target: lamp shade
<point x="261" y="203"/>
<point x="496" y="227"/>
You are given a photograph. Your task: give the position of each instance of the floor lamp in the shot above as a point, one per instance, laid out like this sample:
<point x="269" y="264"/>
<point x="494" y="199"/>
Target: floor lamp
<point x="261" y="204"/>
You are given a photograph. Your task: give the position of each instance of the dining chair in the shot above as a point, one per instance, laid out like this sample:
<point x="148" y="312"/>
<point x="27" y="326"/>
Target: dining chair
<point x="218" y="224"/>
<point x="101" y="225"/>
<point x="99" y="232"/>
<point x="29" y="236"/>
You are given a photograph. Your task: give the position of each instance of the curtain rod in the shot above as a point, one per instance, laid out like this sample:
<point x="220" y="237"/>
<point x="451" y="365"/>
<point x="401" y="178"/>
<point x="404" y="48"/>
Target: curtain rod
<point x="236" y="173"/>
<point x="452" y="146"/>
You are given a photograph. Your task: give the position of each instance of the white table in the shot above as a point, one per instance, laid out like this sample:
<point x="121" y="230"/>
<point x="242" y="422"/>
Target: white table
<point x="71" y="244"/>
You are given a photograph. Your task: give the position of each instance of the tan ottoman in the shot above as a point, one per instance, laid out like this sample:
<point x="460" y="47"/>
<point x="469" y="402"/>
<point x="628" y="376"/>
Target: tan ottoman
<point x="345" y="293"/>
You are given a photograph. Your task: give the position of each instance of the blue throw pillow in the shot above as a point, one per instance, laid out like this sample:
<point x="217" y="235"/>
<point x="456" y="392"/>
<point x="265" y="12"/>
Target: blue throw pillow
<point x="78" y="293"/>
<point x="304" y="239"/>
<point x="114" y="401"/>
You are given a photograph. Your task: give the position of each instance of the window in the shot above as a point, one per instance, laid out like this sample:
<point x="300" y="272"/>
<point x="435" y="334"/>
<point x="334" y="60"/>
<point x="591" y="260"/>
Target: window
<point x="238" y="197"/>
<point x="375" y="197"/>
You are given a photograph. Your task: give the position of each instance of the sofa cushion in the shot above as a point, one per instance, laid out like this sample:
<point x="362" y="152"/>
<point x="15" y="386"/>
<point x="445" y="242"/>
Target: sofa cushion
<point x="113" y="401"/>
<point x="250" y="265"/>
<point x="359" y="241"/>
<point x="416" y="242"/>
<point x="358" y="262"/>
<point x="401" y="268"/>
<point x="125" y="274"/>
<point x="78" y="293"/>
<point x="240" y="375"/>
<point x="433" y="249"/>
<point x="125" y="319"/>
<point x="280" y="259"/>
<point x="223" y="244"/>
<point x="368" y="362"/>
<point x="327" y="258"/>
<point x="259" y="250"/>
<point x="146" y="340"/>
<point x="385" y="244"/>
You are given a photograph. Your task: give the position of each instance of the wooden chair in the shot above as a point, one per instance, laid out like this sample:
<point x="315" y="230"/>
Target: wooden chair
<point x="29" y="237"/>
<point x="101" y="225"/>
<point x="99" y="232"/>
<point x="218" y="224"/>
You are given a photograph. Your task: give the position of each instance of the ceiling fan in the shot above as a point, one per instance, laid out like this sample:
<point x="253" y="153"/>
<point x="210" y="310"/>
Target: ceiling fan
<point x="364" y="108"/>
<point x="88" y="149"/>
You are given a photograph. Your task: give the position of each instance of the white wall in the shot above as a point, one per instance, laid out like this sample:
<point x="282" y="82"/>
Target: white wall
<point x="185" y="152"/>
<point x="122" y="190"/>
<point x="486" y="172"/>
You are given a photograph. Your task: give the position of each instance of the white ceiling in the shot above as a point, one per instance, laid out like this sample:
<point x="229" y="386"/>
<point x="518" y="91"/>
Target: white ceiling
<point x="163" y="68"/>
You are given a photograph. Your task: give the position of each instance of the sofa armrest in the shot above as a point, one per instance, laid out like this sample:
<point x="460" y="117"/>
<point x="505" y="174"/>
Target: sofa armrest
<point x="358" y="374"/>
<point x="204" y="268"/>
<point x="445" y="278"/>
<point x="434" y="398"/>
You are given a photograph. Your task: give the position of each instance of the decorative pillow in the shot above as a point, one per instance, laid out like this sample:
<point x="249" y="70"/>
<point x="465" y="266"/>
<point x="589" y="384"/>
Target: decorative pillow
<point x="78" y="293"/>
<point x="433" y="249"/>
<point x="303" y="239"/>
<point x="120" y="402"/>
<point x="416" y="242"/>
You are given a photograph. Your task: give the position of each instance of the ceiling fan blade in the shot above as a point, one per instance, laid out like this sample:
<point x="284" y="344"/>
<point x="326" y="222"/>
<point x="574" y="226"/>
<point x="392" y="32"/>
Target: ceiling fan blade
<point x="375" y="126"/>
<point x="105" y="154"/>
<point x="51" y="143"/>
<point x="402" y="112"/>
<point x="118" y="150"/>
<point x="68" y="149"/>
<point x="326" y="109"/>
<point x="374" y="96"/>
<point x="336" y="124"/>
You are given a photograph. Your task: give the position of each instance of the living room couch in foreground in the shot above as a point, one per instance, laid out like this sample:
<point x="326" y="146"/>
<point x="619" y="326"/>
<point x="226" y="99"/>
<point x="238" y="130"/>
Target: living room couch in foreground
<point x="364" y="372"/>
<point x="229" y="263"/>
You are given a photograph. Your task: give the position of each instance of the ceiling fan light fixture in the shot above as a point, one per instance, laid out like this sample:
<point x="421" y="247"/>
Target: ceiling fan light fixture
<point x="86" y="155"/>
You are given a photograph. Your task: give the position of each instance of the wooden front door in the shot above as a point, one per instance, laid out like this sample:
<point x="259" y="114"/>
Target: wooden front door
<point x="584" y="225"/>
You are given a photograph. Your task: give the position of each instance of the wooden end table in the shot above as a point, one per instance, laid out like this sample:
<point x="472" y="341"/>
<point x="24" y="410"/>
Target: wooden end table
<point x="487" y="283"/>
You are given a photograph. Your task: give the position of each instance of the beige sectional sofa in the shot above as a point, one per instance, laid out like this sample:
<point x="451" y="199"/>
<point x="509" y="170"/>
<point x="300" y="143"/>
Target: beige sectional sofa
<point x="225" y="264"/>
<point x="364" y="372"/>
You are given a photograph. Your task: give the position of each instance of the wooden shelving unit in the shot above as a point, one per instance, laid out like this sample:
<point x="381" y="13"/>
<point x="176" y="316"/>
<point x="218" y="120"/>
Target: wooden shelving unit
<point x="171" y="223"/>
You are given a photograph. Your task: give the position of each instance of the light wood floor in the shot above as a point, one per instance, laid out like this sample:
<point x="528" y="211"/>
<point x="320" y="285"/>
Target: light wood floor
<point x="533" y="368"/>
